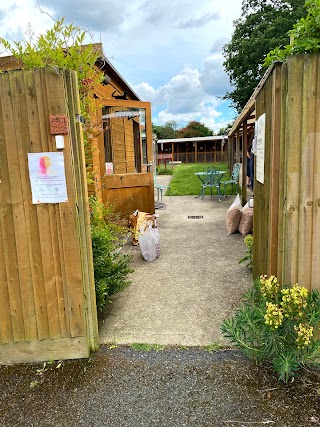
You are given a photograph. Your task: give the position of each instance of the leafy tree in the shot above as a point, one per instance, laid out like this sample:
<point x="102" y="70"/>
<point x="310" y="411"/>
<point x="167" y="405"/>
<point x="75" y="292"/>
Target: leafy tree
<point x="305" y="36"/>
<point x="194" y="129"/>
<point x="222" y="131"/>
<point x="263" y="25"/>
<point x="168" y="131"/>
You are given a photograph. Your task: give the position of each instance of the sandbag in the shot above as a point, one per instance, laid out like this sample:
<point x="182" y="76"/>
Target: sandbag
<point x="234" y="216"/>
<point x="246" y="220"/>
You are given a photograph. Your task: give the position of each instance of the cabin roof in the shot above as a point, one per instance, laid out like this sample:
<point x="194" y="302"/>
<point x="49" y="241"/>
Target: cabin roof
<point x="105" y="65"/>
<point x="11" y="63"/>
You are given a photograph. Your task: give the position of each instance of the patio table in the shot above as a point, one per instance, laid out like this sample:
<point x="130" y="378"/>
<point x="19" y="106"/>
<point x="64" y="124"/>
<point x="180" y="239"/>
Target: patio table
<point x="202" y="175"/>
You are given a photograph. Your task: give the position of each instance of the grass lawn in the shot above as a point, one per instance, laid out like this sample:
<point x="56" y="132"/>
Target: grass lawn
<point x="184" y="182"/>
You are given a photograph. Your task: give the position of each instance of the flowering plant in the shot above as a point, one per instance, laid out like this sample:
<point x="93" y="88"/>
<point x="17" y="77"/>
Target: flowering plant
<point x="277" y="324"/>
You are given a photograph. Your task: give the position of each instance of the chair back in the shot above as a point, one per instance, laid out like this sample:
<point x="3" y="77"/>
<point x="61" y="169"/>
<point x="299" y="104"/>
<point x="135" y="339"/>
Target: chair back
<point x="212" y="178"/>
<point x="211" y="169"/>
<point x="155" y="177"/>
<point x="235" y="172"/>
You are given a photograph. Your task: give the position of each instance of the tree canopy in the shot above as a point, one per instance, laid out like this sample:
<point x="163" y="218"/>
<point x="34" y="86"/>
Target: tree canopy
<point x="304" y="36"/>
<point x="262" y="26"/>
<point x="194" y="129"/>
<point x="167" y="131"/>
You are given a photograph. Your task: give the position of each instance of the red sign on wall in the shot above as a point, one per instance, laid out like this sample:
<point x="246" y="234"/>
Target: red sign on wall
<point x="59" y="125"/>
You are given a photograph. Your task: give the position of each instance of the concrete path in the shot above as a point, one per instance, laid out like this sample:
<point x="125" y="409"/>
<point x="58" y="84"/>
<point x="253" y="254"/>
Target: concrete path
<point x="182" y="297"/>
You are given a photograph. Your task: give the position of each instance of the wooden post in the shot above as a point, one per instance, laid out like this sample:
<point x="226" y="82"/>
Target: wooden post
<point x="237" y="159"/>
<point x="274" y="172"/>
<point x="244" y="161"/>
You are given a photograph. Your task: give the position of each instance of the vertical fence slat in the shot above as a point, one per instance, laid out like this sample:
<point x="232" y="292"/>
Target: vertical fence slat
<point x="13" y="239"/>
<point x="293" y="171"/>
<point x="282" y="176"/>
<point x="315" y="272"/>
<point x="5" y="312"/>
<point x="306" y="144"/>
<point x="274" y="160"/>
<point x="84" y="216"/>
<point x="261" y="208"/>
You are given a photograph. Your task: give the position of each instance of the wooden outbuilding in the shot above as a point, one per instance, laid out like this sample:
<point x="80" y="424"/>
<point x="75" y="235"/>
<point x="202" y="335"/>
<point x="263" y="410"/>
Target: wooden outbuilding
<point x="207" y="149"/>
<point x="122" y="152"/>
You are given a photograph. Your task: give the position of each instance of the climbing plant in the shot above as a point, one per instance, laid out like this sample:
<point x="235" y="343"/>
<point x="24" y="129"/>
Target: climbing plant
<point x="304" y="36"/>
<point x="64" y="46"/>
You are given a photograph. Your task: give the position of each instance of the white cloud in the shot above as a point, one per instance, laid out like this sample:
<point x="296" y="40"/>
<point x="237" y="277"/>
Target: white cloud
<point x="170" y="51"/>
<point x="213" y="79"/>
<point x="182" y="99"/>
<point x="200" y="21"/>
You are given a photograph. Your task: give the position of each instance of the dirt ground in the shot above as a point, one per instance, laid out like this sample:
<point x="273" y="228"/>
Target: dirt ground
<point x="171" y="387"/>
<point x="177" y="301"/>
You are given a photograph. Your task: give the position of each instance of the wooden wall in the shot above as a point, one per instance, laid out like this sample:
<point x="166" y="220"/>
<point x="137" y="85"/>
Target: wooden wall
<point x="121" y="130"/>
<point x="287" y="205"/>
<point x="46" y="274"/>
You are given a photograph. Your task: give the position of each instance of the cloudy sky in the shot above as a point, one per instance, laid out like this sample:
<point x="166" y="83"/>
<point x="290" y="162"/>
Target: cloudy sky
<point x="169" y="51"/>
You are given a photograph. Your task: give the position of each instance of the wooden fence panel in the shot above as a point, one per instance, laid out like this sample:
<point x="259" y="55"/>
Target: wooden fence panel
<point x="287" y="218"/>
<point x="46" y="273"/>
<point x="266" y="195"/>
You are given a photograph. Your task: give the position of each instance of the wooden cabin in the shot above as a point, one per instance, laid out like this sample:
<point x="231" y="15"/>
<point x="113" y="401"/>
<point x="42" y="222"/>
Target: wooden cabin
<point x="207" y="149"/>
<point x="122" y="152"/>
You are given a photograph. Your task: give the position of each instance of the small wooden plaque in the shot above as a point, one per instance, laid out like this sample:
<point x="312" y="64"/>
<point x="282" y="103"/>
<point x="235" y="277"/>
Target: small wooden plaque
<point x="58" y="125"/>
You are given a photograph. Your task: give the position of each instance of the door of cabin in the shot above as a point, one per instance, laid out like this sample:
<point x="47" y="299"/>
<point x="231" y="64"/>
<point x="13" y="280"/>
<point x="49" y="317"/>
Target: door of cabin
<point x="126" y="155"/>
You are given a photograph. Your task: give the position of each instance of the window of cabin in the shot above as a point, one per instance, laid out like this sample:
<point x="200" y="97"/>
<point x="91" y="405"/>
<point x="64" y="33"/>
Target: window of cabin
<point x="107" y="136"/>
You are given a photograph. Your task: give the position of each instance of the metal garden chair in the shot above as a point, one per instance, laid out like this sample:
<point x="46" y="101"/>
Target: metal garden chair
<point x="211" y="180"/>
<point x="159" y="187"/>
<point x="233" y="180"/>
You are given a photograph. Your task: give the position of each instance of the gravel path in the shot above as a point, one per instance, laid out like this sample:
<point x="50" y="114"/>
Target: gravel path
<point x="172" y="387"/>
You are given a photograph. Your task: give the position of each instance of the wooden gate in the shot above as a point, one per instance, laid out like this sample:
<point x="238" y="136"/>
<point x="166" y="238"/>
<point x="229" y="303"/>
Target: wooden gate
<point x="127" y="144"/>
<point x="48" y="308"/>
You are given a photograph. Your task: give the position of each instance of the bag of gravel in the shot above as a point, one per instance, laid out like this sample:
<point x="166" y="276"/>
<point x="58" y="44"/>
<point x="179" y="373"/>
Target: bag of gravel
<point x="246" y="220"/>
<point x="234" y="216"/>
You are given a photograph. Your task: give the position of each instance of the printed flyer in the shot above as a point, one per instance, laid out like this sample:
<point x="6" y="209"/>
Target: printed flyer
<point x="47" y="177"/>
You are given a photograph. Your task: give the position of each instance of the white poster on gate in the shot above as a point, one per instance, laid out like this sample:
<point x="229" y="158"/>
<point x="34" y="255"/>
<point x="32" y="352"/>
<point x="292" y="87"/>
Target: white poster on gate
<point x="260" y="148"/>
<point x="47" y="177"/>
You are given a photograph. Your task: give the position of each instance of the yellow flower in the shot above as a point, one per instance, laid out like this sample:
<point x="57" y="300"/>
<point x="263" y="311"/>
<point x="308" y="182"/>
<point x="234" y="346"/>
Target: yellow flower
<point x="304" y="335"/>
<point x="293" y="301"/>
<point x="269" y="286"/>
<point x="273" y="316"/>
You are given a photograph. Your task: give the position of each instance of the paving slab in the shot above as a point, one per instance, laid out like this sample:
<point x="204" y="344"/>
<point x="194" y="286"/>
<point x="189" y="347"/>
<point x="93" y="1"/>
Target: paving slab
<point x="182" y="297"/>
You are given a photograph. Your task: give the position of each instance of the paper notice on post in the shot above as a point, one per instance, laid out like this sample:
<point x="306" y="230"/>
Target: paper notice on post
<point x="47" y="177"/>
<point x="260" y="148"/>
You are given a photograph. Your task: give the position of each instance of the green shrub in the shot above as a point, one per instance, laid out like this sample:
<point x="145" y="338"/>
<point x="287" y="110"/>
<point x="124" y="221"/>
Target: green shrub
<point x="304" y="36"/>
<point x="164" y="171"/>
<point x="277" y="324"/>
<point x="248" y="240"/>
<point x="111" y="267"/>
